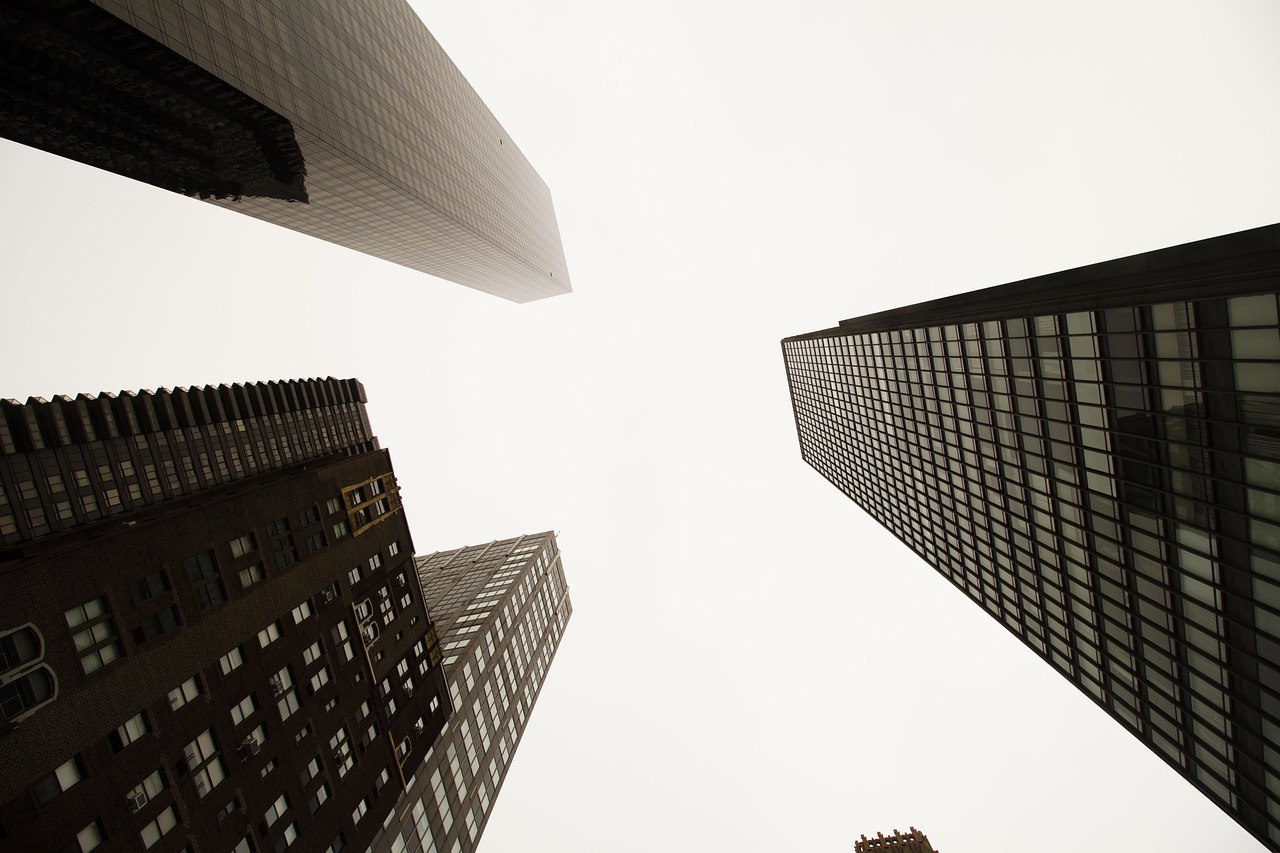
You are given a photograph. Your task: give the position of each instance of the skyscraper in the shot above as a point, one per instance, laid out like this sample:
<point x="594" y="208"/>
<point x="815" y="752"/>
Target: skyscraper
<point x="211" y="625"/>
<point x="913" y="842"/>
<point x="1093" y="457"/>
<point x="499" y="610"/>
<point x="345" y="121"/>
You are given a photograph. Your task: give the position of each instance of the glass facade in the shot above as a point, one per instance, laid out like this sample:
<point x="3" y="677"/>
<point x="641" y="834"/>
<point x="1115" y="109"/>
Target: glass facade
<point x="1105" y="481"/>
<point x="403" y="159"/>
<point x="499" y="611"/>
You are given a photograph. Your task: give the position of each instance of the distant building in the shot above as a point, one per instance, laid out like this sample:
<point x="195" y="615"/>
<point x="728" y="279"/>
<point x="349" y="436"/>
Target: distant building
<point x="1093" y="457"/>
<point x="499" y="610"/>
<point x="344" y="121"/>
<point x="913" y="842"/>
<point x="211" y="625"/>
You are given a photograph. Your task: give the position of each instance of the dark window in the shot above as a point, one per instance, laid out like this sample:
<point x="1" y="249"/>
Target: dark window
<point x="282" y="543"/>
<point x="18" y="648"/>
<point x="308" y="516"/>
<point x="47" y="788"/>
<point x="154" y="626"/>
<point x="206" y="583"/>
<point x="315" y="543"/>
<point x="149" y="587"/>
<point x="25" y="693"/>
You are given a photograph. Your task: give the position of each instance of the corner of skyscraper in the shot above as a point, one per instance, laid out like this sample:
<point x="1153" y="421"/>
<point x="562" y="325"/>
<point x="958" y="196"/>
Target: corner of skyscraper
<point x="1093" y="457"/>
<point x="213" y="628"/>
<point x="344" y="121"/>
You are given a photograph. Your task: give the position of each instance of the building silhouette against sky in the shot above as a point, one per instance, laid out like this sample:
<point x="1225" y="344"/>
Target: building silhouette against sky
<point x="344" y="121"/>
<point x="913" y="841"/>
<point x="499" y="611"/>
<point x="1093" y="457"/>
<point x="211" y="624"/>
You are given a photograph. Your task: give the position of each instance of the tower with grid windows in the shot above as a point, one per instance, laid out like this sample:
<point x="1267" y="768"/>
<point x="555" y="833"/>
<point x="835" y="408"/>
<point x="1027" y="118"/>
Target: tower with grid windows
<point x="1093" y="457"/>
<point x="344" y="121"/>
<point x="211" y="625"/>
<point x="499" y="610"/>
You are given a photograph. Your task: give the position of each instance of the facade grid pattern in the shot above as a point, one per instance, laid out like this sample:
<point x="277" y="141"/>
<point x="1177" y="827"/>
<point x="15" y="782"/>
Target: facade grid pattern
<point x="502" y="609"/>
<point x="70" y="462"/>
<point x="1106" y="483"/>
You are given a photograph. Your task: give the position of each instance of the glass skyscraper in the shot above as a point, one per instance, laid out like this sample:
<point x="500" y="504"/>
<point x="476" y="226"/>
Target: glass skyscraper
<point x="499" y="611"/>
<point x="1093" y="457"/>
<point x="345" y="121"/>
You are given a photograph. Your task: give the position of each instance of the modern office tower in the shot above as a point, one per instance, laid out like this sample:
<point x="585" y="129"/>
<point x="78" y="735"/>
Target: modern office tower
<point x="913" y="842"/>
<point x="237" y="653"/>
<point x="499" y="610"/>
<point x="1093" y="457"/>
<point x="345" y="121"/>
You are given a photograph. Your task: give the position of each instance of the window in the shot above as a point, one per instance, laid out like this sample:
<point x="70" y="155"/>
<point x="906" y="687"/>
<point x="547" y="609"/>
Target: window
<point x="245" y="846"/>
<point x="156" y="829"/>
<point x="375" y="562"/>
<point x="269" y="634"/>
<point x="340" y="529"/>
<point x="147" y="790"/>
<point x="230" y="661"/>
<point x="282" y="686"/>
<point x="287" y="838"/>
<point x="311" y="771"/>
<point x="88" y="838"/>
<point x="250" y="576"/>
<point x="48" y="787"/>
<point x="319" y="798"/>
<point x="133" y="728"/>
<point x="282" y="543"/>
<point x="308" y="516"/>
<point x="355" y="576"/>
<point x="277" y="809"/>
<point x="94" y="634"/>
<point x="243" y="709"/>
<point x="394" y="548"/>
<point x="161" y="622"/>
<point x="359" y="811"/>
<point x="320" y="679"/>
<point x="315" y="543"/>
<point x="149" y="587"/>
<point x="24" y="694"/>
<point x="243" y="545"/>
<point x="204" y="764"/>
<point x="206" y="583"/>
<point x="312" y="653"/>
<point x="184" y="693"/>
<point x="301" y="612"/>
<point x="340" y="743"/>
<point x="334" y="505"/>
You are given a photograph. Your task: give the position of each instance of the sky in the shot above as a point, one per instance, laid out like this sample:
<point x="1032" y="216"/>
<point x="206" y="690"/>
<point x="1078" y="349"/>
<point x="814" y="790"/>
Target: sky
<point x="753" y="664"/>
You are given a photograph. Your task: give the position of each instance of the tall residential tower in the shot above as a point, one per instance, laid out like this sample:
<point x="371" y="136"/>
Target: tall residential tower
<point x="1093" y="457"/>
<point x="499" y="610"/>
<point x="211" y="625"/>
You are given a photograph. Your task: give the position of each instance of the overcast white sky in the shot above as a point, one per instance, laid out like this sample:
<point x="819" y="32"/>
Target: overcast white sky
<point x="753" y="665"/>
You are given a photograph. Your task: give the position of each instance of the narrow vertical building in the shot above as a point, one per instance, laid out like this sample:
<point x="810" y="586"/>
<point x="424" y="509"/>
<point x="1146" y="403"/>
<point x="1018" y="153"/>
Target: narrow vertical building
<point x="499" y="611"/>
<point x="1093" y="457"/>
<point x="344" y="121"/>
<point x="211" y="626"/>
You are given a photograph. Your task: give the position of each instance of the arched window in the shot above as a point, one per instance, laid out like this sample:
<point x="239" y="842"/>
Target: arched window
<point x="19" y="647"/>
<point x="23" y="695"/>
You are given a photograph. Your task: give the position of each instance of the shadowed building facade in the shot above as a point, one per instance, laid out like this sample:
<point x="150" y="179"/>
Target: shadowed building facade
<point x="344" y="121"/>
<point x="499" y="610"/>
<point x="232" y="647"/>
<point x="1093" y="457"/>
